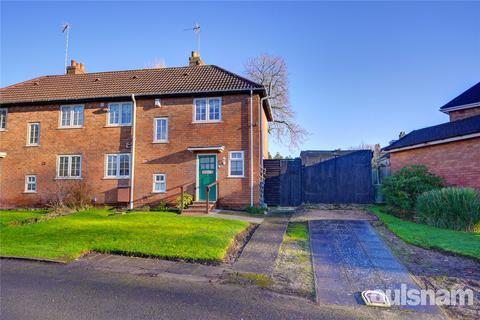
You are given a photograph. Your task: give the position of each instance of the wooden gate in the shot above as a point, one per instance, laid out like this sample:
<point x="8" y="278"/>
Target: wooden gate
<point x="344" y="179"/>
<point x="283" y="182"/>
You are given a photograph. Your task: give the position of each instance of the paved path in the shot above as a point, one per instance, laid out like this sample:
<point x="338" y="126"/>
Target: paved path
<point x="349" y="257"/>
<point x="230" y="216"/>
<point x="145" y="266"/>
<point x="261" y="251"/>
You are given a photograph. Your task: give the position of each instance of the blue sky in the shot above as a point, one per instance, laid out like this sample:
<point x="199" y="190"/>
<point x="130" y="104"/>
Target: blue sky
<point x="359" y="72"/>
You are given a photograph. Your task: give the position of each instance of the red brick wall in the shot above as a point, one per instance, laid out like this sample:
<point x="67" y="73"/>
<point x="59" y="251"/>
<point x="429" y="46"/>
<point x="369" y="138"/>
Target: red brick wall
<point x="462" y="114"/>
<point x="457" y="162"/>
<point x="95" y="140"/>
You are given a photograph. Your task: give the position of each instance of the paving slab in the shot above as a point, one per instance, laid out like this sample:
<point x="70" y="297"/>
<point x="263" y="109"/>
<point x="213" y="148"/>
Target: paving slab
<point x="261" y="251"/>
<point x="349" y="257"/>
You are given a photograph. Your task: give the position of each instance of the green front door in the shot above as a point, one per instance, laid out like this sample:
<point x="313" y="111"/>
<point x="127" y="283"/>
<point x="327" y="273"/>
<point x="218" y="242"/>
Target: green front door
<point x="207" y="173"/>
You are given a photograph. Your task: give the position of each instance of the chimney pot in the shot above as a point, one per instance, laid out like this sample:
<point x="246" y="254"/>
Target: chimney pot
<point x="75" y="68"/>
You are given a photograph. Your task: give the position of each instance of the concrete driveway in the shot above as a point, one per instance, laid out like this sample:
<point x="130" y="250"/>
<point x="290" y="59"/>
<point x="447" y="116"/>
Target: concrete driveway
<point x="349" y="257"/>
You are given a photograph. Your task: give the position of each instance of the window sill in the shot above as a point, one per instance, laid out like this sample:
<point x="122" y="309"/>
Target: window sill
<point x="3" y="130"/>
<point x="29" y="192"/>
<point x="32" y="145"/>
<point x="203" y="122"/>
<point x="66" y="128"/>
<point x="115" y="178"/>
<point x="117" y="125"/>
<point x="236" y="177"/>
<point x="68" y="178"/>
<point x="160" y="142"/>
<point x="159" y="192"/>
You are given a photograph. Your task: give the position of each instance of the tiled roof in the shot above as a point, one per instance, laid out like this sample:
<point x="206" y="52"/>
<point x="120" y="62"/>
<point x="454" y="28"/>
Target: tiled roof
<point x="470" y="96"/>
<point x="164" y="81"/>
<point x="439" y="132"/>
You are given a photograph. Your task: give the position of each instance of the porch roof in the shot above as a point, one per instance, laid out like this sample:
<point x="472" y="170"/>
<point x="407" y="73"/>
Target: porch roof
<point x="206" y="148"/>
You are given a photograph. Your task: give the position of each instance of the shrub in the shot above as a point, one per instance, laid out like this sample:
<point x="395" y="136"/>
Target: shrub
<point x="70" y="196"/>
<point x="162" y="206"/>
<point x="450" y="208"/>
<point x="187" y="200"/>
<point x="255" y="210"/>
<point x="403" y="187"/>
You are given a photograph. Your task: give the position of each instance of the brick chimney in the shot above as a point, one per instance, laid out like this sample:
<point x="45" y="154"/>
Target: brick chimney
<point x="75" y="68"/>
<point x="195" y="59"/>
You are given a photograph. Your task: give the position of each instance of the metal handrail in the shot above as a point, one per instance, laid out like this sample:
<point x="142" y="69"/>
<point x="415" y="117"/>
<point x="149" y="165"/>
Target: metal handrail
<point x="182" y="193"/>
<point x="207" y="191"/>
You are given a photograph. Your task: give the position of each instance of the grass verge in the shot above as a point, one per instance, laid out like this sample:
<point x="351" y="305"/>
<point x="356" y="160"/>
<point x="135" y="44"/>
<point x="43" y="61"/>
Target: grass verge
<point x="422" y="235"/>
<point x="147" y="234"/>
<point x="293" y="271"/>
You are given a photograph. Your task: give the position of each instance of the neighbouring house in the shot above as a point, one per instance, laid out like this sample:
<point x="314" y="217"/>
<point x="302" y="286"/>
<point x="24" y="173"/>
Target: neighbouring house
<point x="311" y="157"/>
<point x="452" y="149"/>
<point x="134" y="137"/>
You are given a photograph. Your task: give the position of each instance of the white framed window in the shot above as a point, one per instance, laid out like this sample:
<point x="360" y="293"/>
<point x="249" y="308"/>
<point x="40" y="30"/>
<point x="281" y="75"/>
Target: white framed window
<point x="161" y="130"/>
<point x="117" y="165"/>
<point x="236" y="164"/>
<point x="207" y="110"/>
<point x="69" y="166"/>
<point x="159" y="183"/>
<point x="71" y="116"/>
<point x="3" y="119"/>
<point x="31" y="183"/>
<point x="120" y="114"/>
<point x="33" y="137"/>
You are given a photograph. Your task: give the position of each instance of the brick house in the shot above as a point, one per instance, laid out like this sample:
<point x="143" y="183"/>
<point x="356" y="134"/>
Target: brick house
<point x="134" y="137"/>
<point x="452" y="149"/>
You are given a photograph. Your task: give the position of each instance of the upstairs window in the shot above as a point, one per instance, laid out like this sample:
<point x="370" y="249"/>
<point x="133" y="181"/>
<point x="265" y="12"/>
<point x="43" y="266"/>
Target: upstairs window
<point x="3" y="119"/>
<point x="208" y="110"/>
<point x="69" y="167"/>
<point x="71" y="116"/>
<point x="161" y="130"/>
<point x="33" y="138"/>
<point x="159" y="183"/>
<point x="120" y="114"/>
<point x="236" y="164"/>
<point x="118" y="166"/>
<point x="31" y="183"/>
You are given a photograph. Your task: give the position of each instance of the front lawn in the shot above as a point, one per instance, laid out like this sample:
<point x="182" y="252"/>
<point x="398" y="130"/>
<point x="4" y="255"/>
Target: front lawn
<point x="158" y="234"/>
<point x="8" y="217"/>
<point x="422" y="235"/>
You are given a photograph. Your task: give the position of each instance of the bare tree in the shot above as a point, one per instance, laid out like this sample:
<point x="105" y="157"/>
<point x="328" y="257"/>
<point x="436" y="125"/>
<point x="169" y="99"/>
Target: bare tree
<point x="271" y="71"/>
<point x="156" y="64"/>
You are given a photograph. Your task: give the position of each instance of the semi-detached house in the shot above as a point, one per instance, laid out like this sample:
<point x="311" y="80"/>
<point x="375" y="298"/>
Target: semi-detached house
<point x="134" y="137"/>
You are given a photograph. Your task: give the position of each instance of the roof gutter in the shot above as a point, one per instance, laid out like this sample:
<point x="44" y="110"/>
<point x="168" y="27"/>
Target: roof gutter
<point x="435" y="142"/>
<point x="132" y="173"/>
<point x="461" y="107"/>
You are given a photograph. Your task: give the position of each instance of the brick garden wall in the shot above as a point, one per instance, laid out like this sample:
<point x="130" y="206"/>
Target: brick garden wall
<point x="95" y="140"/>
<point x="457" y="162"/>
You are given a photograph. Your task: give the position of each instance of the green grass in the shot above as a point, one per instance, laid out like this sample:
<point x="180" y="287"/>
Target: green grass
<point x="297" y="231"/>
<point x="159" y="234"/>
<point x="422" y="235"/>
<point x="8" y="217"/>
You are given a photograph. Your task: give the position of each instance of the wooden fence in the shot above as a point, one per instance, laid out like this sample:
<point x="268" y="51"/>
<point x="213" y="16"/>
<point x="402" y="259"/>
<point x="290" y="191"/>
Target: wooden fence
<point x="344" y="179"/>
